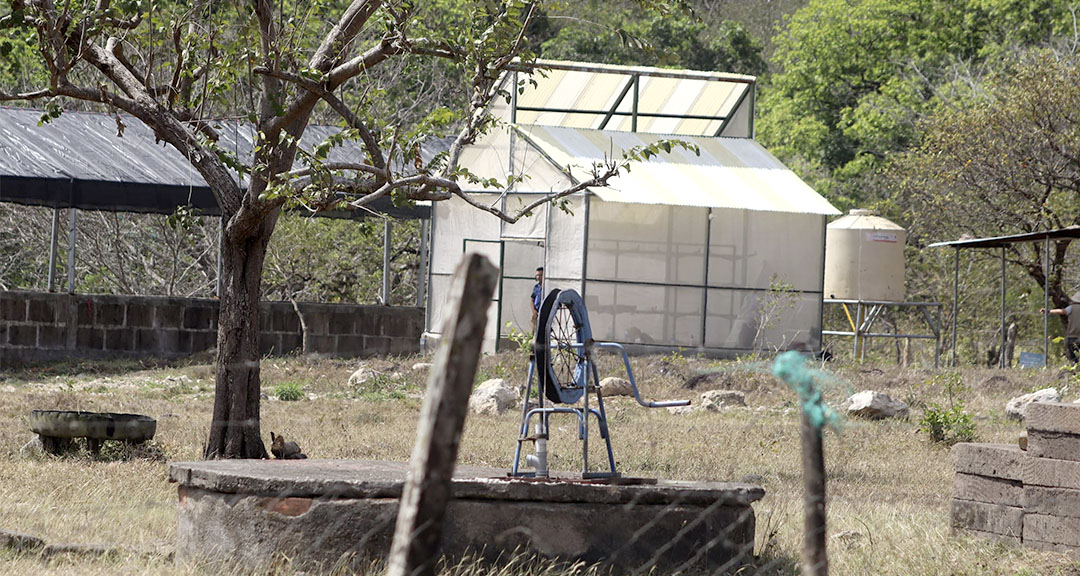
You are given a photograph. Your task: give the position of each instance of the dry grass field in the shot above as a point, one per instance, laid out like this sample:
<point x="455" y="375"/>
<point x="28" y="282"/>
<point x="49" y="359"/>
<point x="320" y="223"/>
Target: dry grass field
<point x="889" y="486"/>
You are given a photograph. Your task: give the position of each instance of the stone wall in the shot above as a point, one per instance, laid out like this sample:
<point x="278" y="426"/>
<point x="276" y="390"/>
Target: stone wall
<point x="1028" y="495"/>
<point x="39" y="327"/>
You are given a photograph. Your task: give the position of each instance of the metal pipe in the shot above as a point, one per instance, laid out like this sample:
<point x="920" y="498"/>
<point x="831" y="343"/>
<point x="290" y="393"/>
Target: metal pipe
<point x="513" y="99"/>
<point x="634" y="115"/>
<point x="430" y="268"/>
<point x="955" y="302"/>
<point x="1046" y="302"/>
<point x="386" y="263"/>
<point x="654" y="73"/>
<point x="1001" y="351"/>
<point x="421" y="272"/>
<point x="705" y="284"/>
<point x="52" y="248"/>
<point x="71" y="250"/>
<point x="937" y="345"/>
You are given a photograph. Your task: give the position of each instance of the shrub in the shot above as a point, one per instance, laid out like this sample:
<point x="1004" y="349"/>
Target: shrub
<point x="289" y="391"/>
<point x="948" y="425"/>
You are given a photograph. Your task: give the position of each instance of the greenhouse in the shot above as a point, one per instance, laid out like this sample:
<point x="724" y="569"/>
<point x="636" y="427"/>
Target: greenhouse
<point x="720" y="251"/>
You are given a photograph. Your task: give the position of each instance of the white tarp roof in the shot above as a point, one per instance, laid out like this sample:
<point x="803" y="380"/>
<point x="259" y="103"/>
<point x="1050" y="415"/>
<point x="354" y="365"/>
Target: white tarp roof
<point x="600" y="96"/>
<point x="733" y="173"/>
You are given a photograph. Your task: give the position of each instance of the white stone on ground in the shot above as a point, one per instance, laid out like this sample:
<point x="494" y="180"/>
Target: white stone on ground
<point x="719" y="400"/>
<point x="361" y="375"/>
<point x="612" y="386"/>
<point x="873" y="406"/>
<point x="493" y="397"/>
<point x="1017" y="407"/>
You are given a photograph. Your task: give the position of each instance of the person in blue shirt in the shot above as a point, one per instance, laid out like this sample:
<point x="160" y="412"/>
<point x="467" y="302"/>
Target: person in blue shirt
<point x="537" y="296"/>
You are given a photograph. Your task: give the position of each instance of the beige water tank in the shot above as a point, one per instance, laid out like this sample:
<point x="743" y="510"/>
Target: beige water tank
<point x="864" y="258"/>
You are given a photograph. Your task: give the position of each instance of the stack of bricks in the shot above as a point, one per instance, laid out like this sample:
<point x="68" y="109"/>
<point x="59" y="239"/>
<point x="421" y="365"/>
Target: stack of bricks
<point x="1052" y="477"/>
<point x="1031" y="497"/>
<point x="988" y="492"/>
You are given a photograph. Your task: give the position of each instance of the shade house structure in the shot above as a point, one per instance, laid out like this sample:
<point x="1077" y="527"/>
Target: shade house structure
<point x="720" y="252"/>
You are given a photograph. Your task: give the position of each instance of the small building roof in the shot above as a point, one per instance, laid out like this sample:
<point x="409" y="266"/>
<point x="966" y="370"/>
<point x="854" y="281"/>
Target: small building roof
<point x="636" y="99"/>
<point x="729" y="173"/>
<point x="83" y="159"/>
<point x="1000" y="241"/>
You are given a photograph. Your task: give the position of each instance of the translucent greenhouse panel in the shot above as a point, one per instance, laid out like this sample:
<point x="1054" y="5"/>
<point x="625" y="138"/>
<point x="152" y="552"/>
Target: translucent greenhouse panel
<point x="516" y="306"/>
<point x="454" y="222"/>
<point x="440" y="293"/>
<point x="520" y="260"/>
<point x="740" y="123"/>
<point x="531" y="227"/>
<point x="566" y="241"/>
<point x="550" y="285"/>
<point x="646" y="243"/>
<point x="751" y="249"/>
<point x="756" y="320"/>
<point x="489" y="157"/>
<point x="639" y="314"/>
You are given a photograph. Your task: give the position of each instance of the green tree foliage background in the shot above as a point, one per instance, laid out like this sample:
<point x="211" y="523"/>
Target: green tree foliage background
<point x="950" y="117"/>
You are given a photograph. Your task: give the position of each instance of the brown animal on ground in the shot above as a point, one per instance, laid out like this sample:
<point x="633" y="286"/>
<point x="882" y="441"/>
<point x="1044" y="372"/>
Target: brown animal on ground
<point x="283" y="450"/>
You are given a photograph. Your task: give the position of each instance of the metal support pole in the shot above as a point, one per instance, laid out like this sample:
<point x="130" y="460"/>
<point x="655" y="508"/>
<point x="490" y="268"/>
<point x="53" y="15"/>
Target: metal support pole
<point x="386" y="263"/>
<point x="1001" y="351"/>
<point x="71" y="251"/>
<point x="52" y="248"/>
<point x="955" y="302"/>
<point x="634" y="111"/>
<point x="421" y="272"/>
<point x="1046" y="302"/>
<point x="937" y="341"/>
<point x="858" y="332"/>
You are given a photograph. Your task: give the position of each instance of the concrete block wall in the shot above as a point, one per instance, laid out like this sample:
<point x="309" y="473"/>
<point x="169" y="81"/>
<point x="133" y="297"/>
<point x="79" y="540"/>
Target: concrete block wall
<point x="1028" y="497"/>
<point x="38" y="327"/>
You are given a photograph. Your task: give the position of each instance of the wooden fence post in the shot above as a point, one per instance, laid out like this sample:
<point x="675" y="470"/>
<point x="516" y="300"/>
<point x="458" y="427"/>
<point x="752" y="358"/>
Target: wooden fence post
<point x="815" y="561"/>
<point x="415" y="549"/>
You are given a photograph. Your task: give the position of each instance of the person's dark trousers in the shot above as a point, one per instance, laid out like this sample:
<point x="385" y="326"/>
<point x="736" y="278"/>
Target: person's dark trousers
<point x="1072" y="347"/>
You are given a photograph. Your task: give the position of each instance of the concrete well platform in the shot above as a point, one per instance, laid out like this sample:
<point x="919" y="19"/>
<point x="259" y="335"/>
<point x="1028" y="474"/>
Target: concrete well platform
<point x="319" y="512"/>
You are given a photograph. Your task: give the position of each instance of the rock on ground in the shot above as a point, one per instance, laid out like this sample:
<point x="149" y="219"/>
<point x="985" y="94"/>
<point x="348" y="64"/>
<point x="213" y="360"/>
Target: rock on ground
<point x="1017" y="407"/>
<point x="718" y="400"/>
<point x="421" y="366"/>
<point x="361" y="375"/>
<point x="493" y="397"/>
<point x="874" y="406"/>
<point x="612" y="386"/>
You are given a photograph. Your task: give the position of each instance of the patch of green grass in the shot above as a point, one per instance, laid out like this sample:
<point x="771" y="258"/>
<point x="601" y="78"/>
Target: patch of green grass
<point x="289" y="391"/>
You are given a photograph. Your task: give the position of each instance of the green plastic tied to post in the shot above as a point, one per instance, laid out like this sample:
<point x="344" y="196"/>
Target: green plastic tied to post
<point x="791" y="367"/>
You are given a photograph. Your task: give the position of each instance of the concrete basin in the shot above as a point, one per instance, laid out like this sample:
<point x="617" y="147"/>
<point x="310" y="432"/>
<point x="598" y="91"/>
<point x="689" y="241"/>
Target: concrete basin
<point x="319" y="513"/>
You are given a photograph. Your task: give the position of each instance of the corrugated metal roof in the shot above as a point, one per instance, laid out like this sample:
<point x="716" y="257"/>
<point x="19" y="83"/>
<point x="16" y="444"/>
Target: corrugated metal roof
<point x="601" y="97"/>
<point x="730" y="172"/>
<point x="79" y="159"/>
<point x="1002" y="241"/>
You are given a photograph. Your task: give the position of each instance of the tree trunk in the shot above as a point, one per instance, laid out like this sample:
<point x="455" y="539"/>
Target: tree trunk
<point x="234" y="431"/>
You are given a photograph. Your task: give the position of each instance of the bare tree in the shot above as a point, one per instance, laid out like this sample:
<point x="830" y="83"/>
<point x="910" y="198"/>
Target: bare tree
<point x="170" y="65"/>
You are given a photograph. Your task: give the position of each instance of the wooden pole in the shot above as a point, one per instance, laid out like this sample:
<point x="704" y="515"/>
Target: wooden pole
<point x="815" y="561"/>
<point x="427" y="488"/>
